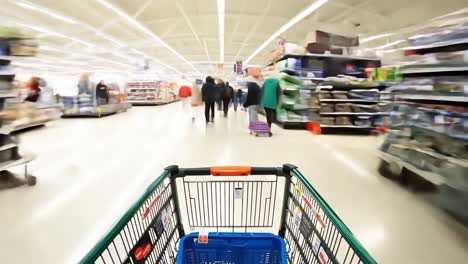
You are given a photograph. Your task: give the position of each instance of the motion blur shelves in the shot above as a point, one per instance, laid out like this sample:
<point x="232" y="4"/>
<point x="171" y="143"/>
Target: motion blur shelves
<point x="321" y="56"/>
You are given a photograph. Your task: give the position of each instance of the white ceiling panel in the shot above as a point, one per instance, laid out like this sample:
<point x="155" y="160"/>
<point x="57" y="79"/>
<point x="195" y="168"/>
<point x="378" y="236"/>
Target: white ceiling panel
<point x="190" y="27"/>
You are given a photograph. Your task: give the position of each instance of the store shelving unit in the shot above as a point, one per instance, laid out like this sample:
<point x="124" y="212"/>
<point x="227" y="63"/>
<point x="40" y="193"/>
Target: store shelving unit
<point x="345" y="114"/>
<point x="314" y="69"/>
<point x="149" y="93"/>
<point x="9" y="149"/>
<point x="38" y="116"/>
<point x="431" y="123"/>
<point x="99" y="111"/>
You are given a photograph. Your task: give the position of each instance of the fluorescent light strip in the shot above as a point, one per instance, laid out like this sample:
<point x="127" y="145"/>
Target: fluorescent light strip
<point x="137" y="24"/>
<point x="221" y="29"/>
<point x="389" y="51"/>
<point x="81" y="55"/>
<point x="391" y="44"/>
<point x="316" y="5"/>
<point x="54" y="14"/>
<point x="37" y="8"/>
<point x="371" y="38"/>
<point x="111" y="39"/>
<point x="44" y="10"/>
<point x="47" y="31"/>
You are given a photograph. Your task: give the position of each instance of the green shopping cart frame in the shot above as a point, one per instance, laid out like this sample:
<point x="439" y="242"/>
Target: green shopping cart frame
<point x="276" y="200"/>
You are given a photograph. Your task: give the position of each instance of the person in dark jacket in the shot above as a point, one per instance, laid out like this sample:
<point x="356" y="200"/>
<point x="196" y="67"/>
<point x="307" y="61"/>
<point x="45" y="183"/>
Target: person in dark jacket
<point x="102" y="94"/>
<point x="227" y="94"/>
<point x="220" y="87"/>
<point x="209" y="96"/>
<point x="253" y="100"/>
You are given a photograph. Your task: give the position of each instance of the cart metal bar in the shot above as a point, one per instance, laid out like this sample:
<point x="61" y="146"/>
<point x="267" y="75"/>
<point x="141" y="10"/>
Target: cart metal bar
<point x="312" y="230"/>
<point x="228" y="171"/>
<point x="105" y="241"/>
<point x="355" y="245"/>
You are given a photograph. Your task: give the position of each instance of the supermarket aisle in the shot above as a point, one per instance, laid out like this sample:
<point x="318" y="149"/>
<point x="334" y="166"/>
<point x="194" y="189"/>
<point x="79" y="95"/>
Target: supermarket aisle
<point x="90" y="170"/>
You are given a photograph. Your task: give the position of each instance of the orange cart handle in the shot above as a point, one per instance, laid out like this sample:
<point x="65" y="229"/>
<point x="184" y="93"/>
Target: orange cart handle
<point x="230" y="170"/>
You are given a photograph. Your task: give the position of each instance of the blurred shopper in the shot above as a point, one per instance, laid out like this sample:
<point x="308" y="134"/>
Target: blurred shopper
<point x="34" y="90"/>
<point x="102" y="93"/>
<point x="184" y="93"/>
<point x="271" y="92"/>
<point x="237" y="99"/>
<point x="196" y="100"/>
<point x="220" y="88"/>
<point x="209" y="95"/>
<point x="227" y="95"/>
<point x="47" y="93"/>
<point x="253" y="100"/>
<point x="84" y="85"/>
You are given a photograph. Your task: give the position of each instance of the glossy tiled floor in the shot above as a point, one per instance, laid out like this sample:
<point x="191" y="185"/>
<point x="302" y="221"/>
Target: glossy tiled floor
<point x="90" y="170"/>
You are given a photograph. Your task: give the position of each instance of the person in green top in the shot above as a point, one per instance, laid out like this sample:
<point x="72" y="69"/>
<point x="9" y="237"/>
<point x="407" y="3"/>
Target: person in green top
<point x="271" y="92"/>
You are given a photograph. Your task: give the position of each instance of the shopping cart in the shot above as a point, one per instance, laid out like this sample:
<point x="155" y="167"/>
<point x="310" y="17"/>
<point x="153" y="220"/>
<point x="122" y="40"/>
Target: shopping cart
<point x="185" y="214"/>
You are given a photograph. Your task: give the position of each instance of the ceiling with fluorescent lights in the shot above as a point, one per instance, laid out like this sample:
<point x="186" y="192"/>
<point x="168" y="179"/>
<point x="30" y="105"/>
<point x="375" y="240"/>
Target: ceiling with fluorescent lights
<point x="183" y="37"/>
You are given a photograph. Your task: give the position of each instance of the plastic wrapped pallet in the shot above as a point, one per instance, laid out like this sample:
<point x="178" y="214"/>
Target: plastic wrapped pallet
<point x="327" y="120"/>
<point x="340" y="95"/>
<point x="327" y="108"/>
<point x="325" y="95"/>
<point x="365" y="108"/>
<point x="343" y="108"/>
<point x="343" y="120"/>
<point x="363" y="121"/>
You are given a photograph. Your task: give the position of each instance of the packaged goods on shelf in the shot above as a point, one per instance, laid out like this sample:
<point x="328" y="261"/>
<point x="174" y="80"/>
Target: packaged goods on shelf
<point x="149" y="93"/>
<point x="86" y="105"/>
<point x="429" y="115"/>
<point x="21" y="115"/>
<point x="12" y="43"/>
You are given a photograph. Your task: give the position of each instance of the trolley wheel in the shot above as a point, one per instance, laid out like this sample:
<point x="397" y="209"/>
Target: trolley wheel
<point x="385" y="170"/>
<point x="31" y="180"/>
<point x="256" y="134"/>
<point x="250" y="132"/>
<point x="270" y="134"/>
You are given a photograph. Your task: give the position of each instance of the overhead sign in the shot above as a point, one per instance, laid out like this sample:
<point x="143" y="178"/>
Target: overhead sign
<point x="238" y="67"/>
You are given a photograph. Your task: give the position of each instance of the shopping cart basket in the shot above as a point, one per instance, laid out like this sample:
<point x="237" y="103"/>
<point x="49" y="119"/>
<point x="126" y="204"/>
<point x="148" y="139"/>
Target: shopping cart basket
<point x="212" y="204"/>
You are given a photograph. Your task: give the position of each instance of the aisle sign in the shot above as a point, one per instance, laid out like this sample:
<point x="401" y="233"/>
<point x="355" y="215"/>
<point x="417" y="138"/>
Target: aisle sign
<point x="238" y="67"/>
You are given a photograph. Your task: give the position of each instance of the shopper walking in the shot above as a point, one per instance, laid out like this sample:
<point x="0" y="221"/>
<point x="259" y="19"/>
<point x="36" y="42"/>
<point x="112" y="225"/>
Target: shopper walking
<point x="196" y="99"/>
<point x="271" y="92"/>
<point x="220" y="88"/>
<point x="102" y="93"/>
<point x="237" y="99"/>
<point x="227" y="95"/>
<point x="253" y="100"/>
<point x="209" y="96"/>
<point x="84" y="85"/>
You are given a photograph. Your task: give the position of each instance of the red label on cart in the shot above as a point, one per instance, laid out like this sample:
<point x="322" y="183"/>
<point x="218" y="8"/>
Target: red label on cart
<point x="141" y="250"/>
<point x="307" y="202"/>
<point x="203" y="238"/>
<point x="319" y="219"/>
<point x="148" y="209"/>
<point x="322" y="256"/>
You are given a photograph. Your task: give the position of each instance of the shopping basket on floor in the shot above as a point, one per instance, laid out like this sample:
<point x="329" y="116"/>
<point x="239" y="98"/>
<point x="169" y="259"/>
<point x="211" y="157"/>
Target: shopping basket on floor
<point x="220" y="215"/>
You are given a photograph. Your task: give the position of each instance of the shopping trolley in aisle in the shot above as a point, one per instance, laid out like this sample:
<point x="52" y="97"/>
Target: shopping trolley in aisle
<point x="229" y="215"/>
